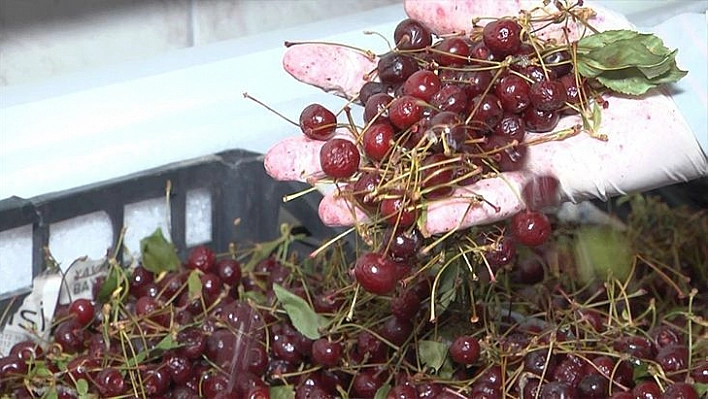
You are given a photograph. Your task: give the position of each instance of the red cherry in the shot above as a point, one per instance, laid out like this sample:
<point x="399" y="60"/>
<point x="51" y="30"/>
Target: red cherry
<point x="530" y="228"/>
<point x="422" y="84"/>
<point x="82" y="309"/>
<point x="378" y="140"/>
<point x="317" y="122"/>
<point x="397" y="211"/>
<point x="465" y="350"/>
<point x="339" y="158"/>
<point x="376" y="273"/>
<point x="405" y="111"/>
<point x="502" y="37"/>
<point x="202" y="258"/>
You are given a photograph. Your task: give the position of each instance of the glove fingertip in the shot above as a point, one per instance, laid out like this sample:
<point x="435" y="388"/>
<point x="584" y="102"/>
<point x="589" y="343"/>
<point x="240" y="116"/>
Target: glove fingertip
<point x="336" y="211"/>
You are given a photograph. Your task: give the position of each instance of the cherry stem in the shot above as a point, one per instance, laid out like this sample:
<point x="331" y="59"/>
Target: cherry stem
<point x="269" y="108"/>
<point x="290" y="197"/>
<point x="368" y="53"/>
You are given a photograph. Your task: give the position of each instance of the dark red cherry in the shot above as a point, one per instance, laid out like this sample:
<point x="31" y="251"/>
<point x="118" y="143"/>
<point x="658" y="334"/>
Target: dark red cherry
<point x="436" y="173"/>
<point x="502" y="36"/>
<point x="317" y="122"/>
<point x="402" y="244"/>
<point x="465" y="349"/>
<point x="452" y="50"/>
<point x="364" y="188"/>
<point x="202" y="258"/>
<point x="377" y="107"/>
<point x="530" y="228"/>
<point x="422" y="84"/>
<point x="451" y="98"/>
<point x="680" y="390"/>
<point x="339" y="158"/>
<point x="406" y="110"/>
<point x="513" y="92"/>
<point x="378" y="140"/>
<point x="397" y="211"/>
<point x="376" y="273"/>
<point x="411" y="34"/>
<point x="648" y="389"/>
<point x="547" y="95"/>
<point x="326" y="352"/>
<point x="395" y="68"/>
<point x="540" y="121"/>
<point x="486" y="111"/>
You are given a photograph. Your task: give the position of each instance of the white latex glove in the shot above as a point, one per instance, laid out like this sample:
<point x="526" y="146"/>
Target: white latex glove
<point x="650" y="143"/>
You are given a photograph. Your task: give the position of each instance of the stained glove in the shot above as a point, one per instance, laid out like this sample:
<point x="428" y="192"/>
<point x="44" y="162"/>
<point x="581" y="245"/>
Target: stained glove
<point x="649" y="142"/>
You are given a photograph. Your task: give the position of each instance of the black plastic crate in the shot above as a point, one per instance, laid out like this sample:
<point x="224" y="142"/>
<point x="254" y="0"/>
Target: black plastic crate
<point x="235" y="180"/>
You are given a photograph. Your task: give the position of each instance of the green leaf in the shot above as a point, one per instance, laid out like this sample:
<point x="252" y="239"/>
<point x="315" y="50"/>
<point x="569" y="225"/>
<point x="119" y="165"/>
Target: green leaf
<point x="281" y="392"/>
<point x="701" y="389"/>
<point x="158" y="254"/>
<point x="382" y="392"/>
<point x="609" y="38"/>
<point x="82" y="387"/>
<point x="627" y="62"/>
<point x="596" y="117"/>
<point x="40" y="370"/>
<point x="51" y="394"/>
<point x="640" y="371"/>
<point x="602" y="252"/>
<point x="262" y="251"/>
<point x="194" y="284"/>
<point x="660" y="69"/>
<point x="629" y="81"/>
<point x="623" y="54"/>
<point x="673" y="75"/>
<point x="587" y="69"/>
<point x="446" y="292"/>
<point x="432" y="354"/>
<point x="253" y="295"/>
<point x="110" y="284"/>
<point x="599" y="40"/>
<point x="167" y="343"/>
<point x="447" y="369"/>
<point x="303" y="317"/>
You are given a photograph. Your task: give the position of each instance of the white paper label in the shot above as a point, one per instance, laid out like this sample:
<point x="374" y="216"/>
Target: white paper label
<point x="80" y="278"/>
<point x="33" y="320"/>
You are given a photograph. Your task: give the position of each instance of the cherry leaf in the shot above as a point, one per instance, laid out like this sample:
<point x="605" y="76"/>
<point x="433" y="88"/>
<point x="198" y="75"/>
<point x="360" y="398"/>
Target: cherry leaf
<point x="701" y="389"/>
<point x="158" y="254"/>
<point x="303" y="317"/>
<point x="444" y="288"/>
<point x="194" y="284"/>
<point x="165" y="344"/>
<point x="602" y="252"/>
<point x="626" y="61"/>
<point x="382" y="392"/>
<point x="624" y="54"/>
<point x="432" y="353"/>
<point x="596" y="117"/>
<point x="281" y="392"/>
<point x="82" y="387"/>
<point x="631" y="82"/>
<point x="111" y="283"/>
<point x="602" y="39"/>
<point x="674" y="74"/>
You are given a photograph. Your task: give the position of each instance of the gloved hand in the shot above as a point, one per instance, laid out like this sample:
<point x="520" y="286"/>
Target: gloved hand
<point x="649" y="142"/>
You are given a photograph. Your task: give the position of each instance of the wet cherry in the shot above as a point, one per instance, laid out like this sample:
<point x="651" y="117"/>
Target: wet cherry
<point x="339" y="158"/>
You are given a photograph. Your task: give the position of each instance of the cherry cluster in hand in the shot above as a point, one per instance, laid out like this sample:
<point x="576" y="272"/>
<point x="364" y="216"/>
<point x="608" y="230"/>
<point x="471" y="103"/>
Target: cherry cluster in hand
<point x="440" y="115"/>
<point x="444" y="114"/>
